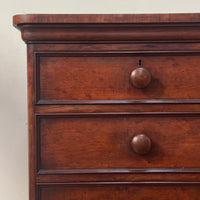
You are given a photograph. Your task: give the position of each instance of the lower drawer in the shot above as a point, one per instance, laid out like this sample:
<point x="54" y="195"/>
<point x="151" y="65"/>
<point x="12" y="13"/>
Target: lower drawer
<point x="120" y="192"/>
<point x="96" y="141"/>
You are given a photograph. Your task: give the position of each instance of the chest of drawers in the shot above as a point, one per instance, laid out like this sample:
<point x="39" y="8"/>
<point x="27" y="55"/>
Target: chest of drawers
<point x="114" y="106"/>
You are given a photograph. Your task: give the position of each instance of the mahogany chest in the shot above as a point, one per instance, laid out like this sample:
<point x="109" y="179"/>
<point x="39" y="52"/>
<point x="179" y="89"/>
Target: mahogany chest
<point x="114" y="106"/>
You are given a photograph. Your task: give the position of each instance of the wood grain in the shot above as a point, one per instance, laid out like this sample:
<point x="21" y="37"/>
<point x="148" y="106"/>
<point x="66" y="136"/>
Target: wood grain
<point x="31" y="123"/>
<point x="82" y="77"/>
<point x="69" y="142"/>
<point x="120" y="192"/>
<point x="110" y="33"/>
<point x="113" y="27"/>
<point x="84" y="111"/>
<point x="172" y="175"/>
<point x="179" y="106"/>
<point x="105" y="18"/>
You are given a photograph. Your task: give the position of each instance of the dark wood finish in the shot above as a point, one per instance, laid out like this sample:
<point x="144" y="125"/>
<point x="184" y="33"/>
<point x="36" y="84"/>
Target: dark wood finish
<point x="31" y="124"/>
<point x="109" y="33"/>
<point x="105" y="18"/>
<point x="162" y="107"/>
<point x="86" y="118"/>
<point x="135" y="176"/>
<point x="141" y="144"/>
<point x="119" y="192"/>
<point x="140" y="77"/>
<point x="112" y="27"/>
<point x="81" y="76"/>
<point x="152" y="47"/>
<point x="106" y="141"/>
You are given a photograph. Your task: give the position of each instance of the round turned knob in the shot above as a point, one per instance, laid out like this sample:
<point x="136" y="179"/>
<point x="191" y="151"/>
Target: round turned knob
<point x="141" y="144"/>
<point x="140" y="77"/>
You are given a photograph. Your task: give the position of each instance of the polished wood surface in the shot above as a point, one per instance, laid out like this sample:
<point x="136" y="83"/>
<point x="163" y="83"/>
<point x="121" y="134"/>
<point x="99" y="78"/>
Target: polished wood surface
<point x="142" y="175"/>
<point x="105" y="18"/>
<point x="114" y="105"/>
<point x="110" y="33"/>
<point x="119" y="192"/>
<point x="140" y="77"/>
<point x="180" y="107"/>
<point x="106" y="141"/>
<point x="81" y="76"/>
<point x="113" y="27"/>
<point x="141" y="144"/>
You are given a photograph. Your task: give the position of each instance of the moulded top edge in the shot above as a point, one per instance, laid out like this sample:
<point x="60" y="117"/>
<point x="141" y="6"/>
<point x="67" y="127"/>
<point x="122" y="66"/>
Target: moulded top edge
<point x="105" y="18"/>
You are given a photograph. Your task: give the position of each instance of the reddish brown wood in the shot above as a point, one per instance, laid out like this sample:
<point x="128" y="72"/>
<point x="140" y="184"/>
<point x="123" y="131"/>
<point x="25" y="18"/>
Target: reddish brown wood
<point x="141" y="144"/>
<point x="68" y="77"/>
<point x="68" y="142"/>
<point x="105" y="18"/>
<point x="140" y="77"/>
<point x="84" y="110"/>
<point x="119" y="192"/>
<point x="136" y="47"/>
<point x="109" y="33"/>
<point x="180" y="175"/>
<point x="152" y="47"/>
<point x="31" y="124"/>
<point x="108" y="27"/>
<point x="166" y="107"/>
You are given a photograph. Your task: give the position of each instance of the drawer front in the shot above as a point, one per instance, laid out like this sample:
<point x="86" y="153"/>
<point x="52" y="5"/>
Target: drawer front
<point x="105" y="142"/>
<point x="120" y="192"/>
<point x="101" y="78"/>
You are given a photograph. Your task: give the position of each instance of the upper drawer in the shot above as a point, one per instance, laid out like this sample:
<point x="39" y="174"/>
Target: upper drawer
<point x="81" y="78"/>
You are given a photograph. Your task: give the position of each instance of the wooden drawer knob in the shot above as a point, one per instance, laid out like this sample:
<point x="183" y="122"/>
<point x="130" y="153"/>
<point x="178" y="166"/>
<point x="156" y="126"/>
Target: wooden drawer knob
<point x="141" y="144"/>
<point x="140" y="77"/>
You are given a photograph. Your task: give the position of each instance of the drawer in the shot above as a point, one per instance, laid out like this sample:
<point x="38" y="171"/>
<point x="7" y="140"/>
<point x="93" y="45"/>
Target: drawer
<point x="106" y="78"/>
<point x="120" y="192"/>
<point x="99" y="141"/>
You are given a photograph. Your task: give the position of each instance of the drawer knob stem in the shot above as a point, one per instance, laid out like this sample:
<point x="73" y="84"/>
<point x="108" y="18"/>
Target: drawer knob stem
<point x="140" y="77"/>
<point x="141" y="144"/>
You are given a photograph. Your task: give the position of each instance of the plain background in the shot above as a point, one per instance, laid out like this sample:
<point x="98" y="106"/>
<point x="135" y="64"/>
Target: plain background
<point x="13" y="86"/>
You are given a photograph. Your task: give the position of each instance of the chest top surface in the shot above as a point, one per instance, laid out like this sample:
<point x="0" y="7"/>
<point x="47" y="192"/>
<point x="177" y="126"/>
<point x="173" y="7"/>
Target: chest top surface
<point x="108" y="27"/>
<point x="105" y="18"/>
